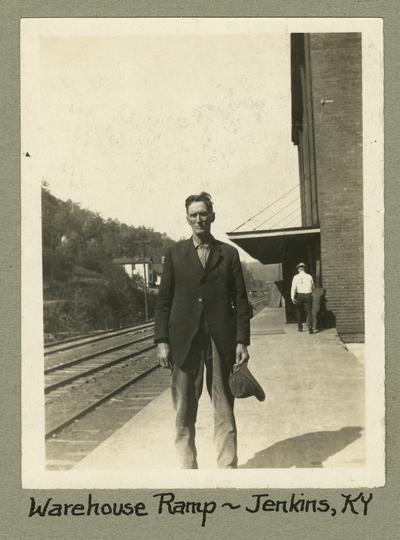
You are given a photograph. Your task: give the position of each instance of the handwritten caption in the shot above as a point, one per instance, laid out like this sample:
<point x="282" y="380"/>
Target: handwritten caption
<point x="167" y="503"/>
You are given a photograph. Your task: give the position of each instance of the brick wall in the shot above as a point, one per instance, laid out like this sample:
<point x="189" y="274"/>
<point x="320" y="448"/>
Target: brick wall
<point x="335" y="61"/>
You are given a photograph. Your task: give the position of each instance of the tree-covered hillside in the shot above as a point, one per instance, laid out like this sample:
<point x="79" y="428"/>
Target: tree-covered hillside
<point x="83" y="289"/>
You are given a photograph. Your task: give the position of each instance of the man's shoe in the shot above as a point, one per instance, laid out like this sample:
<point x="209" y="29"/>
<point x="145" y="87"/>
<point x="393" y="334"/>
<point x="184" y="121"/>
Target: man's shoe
<point x="310" y="330"/>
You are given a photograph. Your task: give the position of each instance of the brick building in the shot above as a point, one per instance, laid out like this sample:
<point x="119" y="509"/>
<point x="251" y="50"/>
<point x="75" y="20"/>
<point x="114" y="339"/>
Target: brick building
<point x="326" y="80"/>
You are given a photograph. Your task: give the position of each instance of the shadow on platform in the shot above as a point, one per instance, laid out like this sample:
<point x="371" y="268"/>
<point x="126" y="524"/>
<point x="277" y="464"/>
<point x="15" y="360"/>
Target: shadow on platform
<point x="304" y="451"/>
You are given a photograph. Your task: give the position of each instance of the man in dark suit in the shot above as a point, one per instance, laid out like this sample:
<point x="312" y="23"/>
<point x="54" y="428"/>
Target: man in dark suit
<point x="202" y="324"/>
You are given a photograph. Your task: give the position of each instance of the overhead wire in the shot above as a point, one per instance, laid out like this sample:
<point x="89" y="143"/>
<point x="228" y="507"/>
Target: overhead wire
<point x="284" y="218"/>
<point x="289" y="223"/>
<point x="276" y="213"/>
<point x="266" y="207"/>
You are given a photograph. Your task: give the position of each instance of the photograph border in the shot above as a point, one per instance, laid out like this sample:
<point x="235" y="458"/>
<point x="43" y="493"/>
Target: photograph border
<point x="383" y="519"/>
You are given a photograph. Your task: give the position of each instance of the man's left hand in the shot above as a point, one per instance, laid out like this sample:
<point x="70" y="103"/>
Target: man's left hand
<point x="242" y="354"/>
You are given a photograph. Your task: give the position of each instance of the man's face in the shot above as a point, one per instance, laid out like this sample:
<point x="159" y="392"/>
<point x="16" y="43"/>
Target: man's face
<point x="200" y="218"/>
<point x="301" y="269"/>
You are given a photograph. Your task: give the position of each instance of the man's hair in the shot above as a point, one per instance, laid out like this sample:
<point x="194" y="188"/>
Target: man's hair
<point x="201" y="197"/>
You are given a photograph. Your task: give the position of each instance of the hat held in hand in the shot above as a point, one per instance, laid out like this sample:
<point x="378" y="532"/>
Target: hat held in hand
<point x="243" y="384"/>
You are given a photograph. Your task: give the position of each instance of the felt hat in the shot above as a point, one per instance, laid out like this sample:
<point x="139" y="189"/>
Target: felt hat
<point x="301" y="264"/>
<point x="243" y="384"/>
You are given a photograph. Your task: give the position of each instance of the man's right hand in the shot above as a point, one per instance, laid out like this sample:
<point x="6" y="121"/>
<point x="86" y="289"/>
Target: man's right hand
<point x="163" y="355"/>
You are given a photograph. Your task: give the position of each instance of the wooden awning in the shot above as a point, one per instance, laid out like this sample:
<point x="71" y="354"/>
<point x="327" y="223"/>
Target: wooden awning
<point x="269" y="246"/>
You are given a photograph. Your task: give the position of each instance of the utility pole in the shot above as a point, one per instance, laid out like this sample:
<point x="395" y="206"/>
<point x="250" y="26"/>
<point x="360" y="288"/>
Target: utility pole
<point x="143" y="244"/>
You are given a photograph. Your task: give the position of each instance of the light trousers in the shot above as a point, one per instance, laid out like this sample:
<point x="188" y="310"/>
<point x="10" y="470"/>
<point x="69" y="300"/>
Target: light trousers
<point x="186" y="387"/>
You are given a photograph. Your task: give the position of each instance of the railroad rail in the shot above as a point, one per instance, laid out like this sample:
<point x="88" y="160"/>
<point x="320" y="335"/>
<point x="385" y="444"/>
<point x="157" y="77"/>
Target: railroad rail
<point x="96" y="403"/>
<point x="84" y="339"/>
<point x="256" y="302"/>
<point x="97" y="354"/>
<point x="82" y="368"/>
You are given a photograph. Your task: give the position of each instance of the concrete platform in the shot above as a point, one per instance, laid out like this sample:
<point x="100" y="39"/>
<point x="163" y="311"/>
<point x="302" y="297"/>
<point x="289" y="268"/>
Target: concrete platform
<point x="313" y="415"/>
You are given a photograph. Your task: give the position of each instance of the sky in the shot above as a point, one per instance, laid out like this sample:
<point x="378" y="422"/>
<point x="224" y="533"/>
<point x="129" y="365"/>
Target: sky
<point x="131" y="125"/>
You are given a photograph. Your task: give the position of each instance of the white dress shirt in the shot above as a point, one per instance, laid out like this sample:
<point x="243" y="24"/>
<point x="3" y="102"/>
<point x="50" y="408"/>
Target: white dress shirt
<point x="302" y="283"/>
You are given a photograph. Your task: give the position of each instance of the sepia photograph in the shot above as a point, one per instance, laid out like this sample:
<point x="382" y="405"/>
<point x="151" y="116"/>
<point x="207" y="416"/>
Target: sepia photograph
<point x="202" y="253"/>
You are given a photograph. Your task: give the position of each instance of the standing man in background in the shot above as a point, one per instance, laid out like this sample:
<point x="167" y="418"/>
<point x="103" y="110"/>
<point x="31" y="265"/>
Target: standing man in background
<point x="202" y="324"/>
<point x="301" y="295"/>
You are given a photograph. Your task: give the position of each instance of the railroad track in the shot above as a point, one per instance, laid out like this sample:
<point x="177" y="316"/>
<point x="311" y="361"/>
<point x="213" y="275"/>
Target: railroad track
<point x="80" y="395"/>
<point x="60" y="376"/>
<point x="96" y="402"/>
<point x="79" y="431"/>
<point x="78" y="341"/>
<point x="90" y="363"/>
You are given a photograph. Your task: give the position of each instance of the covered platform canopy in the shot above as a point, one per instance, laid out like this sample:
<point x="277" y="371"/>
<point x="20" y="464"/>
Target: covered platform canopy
<point x="269" y="246"/>
<point x="286" y="246"/>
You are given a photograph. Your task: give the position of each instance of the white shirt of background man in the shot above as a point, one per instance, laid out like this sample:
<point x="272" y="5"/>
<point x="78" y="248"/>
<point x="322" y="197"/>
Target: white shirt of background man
<point x="302" y="283"/>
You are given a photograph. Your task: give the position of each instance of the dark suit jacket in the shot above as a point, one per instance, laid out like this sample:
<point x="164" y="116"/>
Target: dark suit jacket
<point x="188" y="290"/>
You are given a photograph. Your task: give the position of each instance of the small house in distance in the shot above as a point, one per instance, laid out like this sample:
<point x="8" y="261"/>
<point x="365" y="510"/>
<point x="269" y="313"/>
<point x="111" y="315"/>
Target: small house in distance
<point x="136" y="266"/>
<point x="326" y="84"/>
